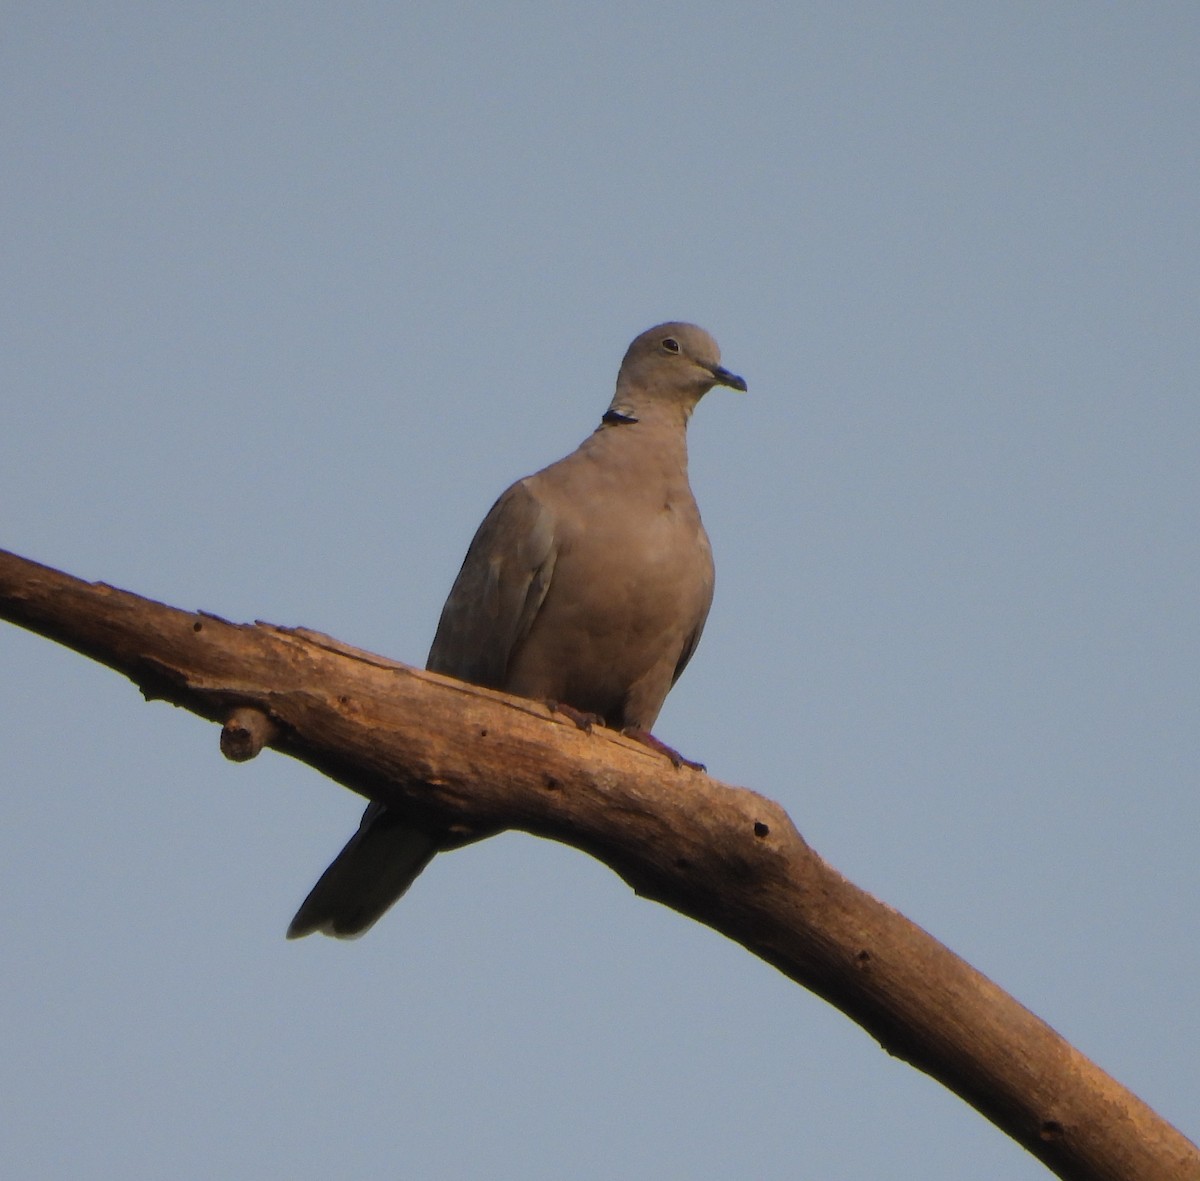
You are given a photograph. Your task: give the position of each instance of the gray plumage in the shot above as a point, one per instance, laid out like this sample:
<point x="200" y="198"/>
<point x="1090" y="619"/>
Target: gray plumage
<point x="587" y="585"/>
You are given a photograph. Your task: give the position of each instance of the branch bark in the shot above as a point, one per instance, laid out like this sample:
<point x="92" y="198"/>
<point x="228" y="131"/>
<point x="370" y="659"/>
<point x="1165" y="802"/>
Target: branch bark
<point x="468" y="762"/>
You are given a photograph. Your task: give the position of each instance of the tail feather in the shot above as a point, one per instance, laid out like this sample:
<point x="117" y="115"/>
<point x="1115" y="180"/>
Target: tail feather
<point x="378" y="864"/>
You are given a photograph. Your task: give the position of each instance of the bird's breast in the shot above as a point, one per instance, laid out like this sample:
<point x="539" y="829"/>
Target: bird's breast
<point x="632" y="582"/>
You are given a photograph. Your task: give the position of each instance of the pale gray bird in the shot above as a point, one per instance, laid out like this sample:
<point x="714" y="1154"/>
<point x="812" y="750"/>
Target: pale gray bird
<point x="586" y="586"/>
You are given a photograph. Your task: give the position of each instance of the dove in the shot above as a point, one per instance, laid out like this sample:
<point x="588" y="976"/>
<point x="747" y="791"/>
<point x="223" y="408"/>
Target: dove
<point x="586" y="587"/>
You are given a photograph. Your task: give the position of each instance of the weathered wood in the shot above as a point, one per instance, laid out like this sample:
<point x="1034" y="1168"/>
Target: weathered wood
<point x="468" y="762"/>
<point x="246" y="731"/>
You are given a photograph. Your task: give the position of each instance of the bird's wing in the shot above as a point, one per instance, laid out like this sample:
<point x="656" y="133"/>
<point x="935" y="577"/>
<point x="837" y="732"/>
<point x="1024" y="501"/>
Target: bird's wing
<point x="498" y="591"/>
<point x="704" y="597"/>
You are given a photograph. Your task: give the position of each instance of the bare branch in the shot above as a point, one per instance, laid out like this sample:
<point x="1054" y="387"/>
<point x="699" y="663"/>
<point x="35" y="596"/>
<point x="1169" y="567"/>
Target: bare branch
<point x="467" y="762"/>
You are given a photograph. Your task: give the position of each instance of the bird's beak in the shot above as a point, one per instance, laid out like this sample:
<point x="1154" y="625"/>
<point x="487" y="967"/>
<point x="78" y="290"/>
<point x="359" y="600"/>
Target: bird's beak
<point x="724" y="377"/>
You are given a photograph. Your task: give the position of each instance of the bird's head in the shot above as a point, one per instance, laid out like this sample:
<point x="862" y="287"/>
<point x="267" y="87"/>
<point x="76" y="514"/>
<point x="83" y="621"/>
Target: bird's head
<point x="672" y="364"/>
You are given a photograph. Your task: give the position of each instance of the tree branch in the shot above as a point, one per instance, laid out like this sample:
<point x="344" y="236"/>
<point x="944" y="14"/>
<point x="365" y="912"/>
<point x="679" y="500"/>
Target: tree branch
<point x="467" y="762"/>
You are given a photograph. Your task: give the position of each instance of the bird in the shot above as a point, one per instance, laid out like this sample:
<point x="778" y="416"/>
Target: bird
<point x="586" y="587"/>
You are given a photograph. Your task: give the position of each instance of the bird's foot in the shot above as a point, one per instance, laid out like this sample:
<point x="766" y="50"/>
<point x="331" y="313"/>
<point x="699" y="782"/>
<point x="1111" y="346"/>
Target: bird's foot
<point x="584" y="720"/>
<point x="648" y="739"/>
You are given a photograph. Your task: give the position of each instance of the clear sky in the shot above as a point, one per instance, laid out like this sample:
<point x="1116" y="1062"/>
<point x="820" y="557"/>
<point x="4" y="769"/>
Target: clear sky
<point x="292" y="291"/>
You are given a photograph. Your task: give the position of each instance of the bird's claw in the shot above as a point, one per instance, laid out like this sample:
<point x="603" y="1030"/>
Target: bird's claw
<point x="584" y="720"/>
<point x="648" y="739"/>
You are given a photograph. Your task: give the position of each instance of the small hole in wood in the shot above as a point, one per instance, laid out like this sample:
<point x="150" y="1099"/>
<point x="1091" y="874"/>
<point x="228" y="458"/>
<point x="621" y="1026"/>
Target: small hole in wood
<point x="760" y="829"/>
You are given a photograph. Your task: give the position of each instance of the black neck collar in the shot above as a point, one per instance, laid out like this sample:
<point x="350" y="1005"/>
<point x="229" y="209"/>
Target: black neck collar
<point x="615" y="417"/>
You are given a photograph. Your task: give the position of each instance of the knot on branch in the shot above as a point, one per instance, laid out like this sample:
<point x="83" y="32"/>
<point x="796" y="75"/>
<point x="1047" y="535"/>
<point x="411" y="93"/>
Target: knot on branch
<point x="245" y="733"/>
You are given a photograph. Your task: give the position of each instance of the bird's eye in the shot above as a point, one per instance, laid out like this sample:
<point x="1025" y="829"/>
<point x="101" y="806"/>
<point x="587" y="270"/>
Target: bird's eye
<point x="671" y="345"/>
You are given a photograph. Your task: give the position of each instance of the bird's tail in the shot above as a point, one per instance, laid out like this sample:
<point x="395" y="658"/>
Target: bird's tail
<point x="375" y="868"/>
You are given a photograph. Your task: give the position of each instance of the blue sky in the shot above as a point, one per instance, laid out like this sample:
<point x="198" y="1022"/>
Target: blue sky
<point x="293" y="292"/>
